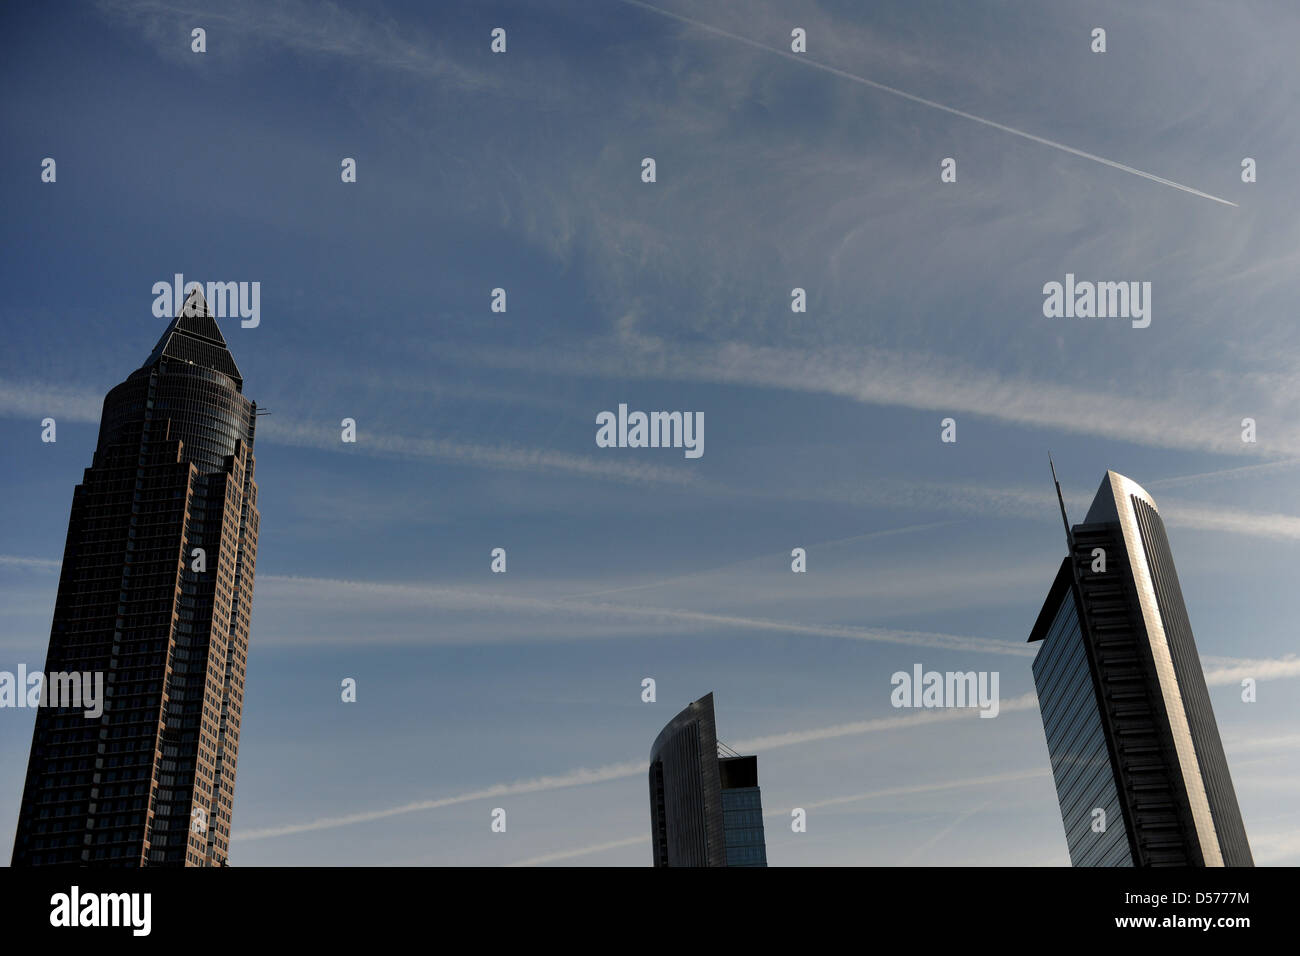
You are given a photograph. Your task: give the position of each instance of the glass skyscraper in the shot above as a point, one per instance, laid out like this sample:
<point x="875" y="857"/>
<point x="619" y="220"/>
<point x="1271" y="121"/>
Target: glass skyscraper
<point x="1139" y="768"/>
<point x="154" y="594"/>
<point x="705" y="805"/>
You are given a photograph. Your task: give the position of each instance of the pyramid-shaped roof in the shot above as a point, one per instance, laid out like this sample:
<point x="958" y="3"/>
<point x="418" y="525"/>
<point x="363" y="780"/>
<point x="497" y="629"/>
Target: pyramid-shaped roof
<point x="194" y="337"/>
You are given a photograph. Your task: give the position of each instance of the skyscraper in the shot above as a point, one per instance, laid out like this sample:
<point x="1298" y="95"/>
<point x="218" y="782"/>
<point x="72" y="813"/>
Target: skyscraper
<point x="705" y="806"/>
<point x="1139" y="767"/>
<point x="155" y="594"/>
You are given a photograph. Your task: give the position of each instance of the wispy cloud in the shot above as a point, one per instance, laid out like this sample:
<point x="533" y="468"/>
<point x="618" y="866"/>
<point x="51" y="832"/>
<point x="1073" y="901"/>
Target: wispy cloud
<point x="326" y="30"/>
<point x="820" y="546"/>
<point x="924" y="381"/>
<point x="39" y="564"/>
<point x="1238" y="744"/>
<point x="505" y="457"/>
<point x="313" y="591"/>
<point x="323" y="592"/>
<point x="1008" y="501"/>
<point x="36" y="400"/>
<point x="811" y="63"/>
<point x="1222" y="671"/>
<point x="916" y="382"/>
<point x="1256" y="524"/>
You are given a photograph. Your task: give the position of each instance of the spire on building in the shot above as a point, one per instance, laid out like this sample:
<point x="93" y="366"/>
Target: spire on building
<point x="194" y="337"/>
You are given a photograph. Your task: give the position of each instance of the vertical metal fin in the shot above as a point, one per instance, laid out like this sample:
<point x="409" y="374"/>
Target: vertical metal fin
<point x="1069" y="538"/>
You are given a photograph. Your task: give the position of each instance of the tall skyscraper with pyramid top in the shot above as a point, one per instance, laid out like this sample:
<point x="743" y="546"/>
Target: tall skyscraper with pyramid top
<point x="155" y="594"/>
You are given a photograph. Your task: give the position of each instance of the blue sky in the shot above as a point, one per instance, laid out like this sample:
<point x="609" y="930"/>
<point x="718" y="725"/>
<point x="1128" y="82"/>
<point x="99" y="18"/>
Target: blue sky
<point x="477" y="429"/>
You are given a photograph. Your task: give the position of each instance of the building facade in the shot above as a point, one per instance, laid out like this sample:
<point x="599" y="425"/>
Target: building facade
<point x="1139" y="767"/>
<point x="705" y="804"/>
<point x="154" y="594"/>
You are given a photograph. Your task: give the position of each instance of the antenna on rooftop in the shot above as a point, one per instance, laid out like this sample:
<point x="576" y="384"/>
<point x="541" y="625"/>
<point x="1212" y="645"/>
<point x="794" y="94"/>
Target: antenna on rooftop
<point x="1069" y="538"/>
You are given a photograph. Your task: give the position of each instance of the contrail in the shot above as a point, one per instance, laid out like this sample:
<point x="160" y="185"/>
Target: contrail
<point x="801" y="58"/>
<point x="1266" y="467"/>
<point x="457" y="598"/>
<point x="1225" y="671"/>
<point x="582" y="851"/>
<point x="900" y="722"/>
<point x="573" y="778"/>
<point x="961" y="783"/>
<point x="620" y="771"/>
<point x="961" y="818"/>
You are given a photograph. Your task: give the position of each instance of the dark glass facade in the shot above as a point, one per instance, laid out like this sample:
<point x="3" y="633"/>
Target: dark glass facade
<point x="1077" y="744"/>
<point x="155" y="593"/>
<point x="1125" y="707"/>
<point x="705" y="810"/>
<point x="742" y="812"/>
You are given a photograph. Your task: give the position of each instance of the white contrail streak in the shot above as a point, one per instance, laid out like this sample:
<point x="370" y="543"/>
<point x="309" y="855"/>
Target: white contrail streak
<point x="909" y="790"/>
<point x="900" y="722"/>
<point x="619" y="771"/>
<point x="803" y="59"/>
<point x="643" y="838"/>
<point x="457" y="598"/>
<point x="1222" y="671"/>
<point x="573" y="778"/>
